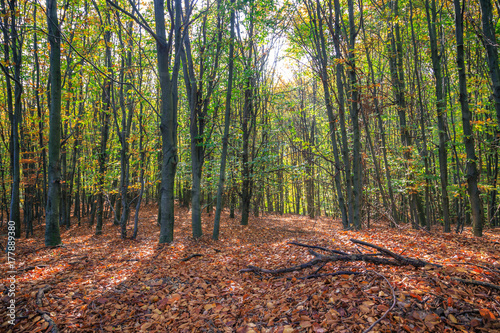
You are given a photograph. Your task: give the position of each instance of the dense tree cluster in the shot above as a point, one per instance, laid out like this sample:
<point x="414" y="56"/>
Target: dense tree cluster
<point x="354" y="109"/>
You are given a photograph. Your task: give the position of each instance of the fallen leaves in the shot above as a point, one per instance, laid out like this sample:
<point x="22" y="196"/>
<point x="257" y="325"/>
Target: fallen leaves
<point x="107" y="284"/>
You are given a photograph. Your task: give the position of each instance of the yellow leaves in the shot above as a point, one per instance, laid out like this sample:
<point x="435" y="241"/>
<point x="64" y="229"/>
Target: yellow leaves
<point x="207" y="307"/>
<point x="146" y="325"/>
<point x="453" y="319"/>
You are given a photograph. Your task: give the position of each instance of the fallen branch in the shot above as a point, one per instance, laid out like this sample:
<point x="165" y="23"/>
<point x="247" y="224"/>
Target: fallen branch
<point x="313" y="276"/>
<point x="478" y="283"/>
<point x="317" y="247"/>
<point x="411" y="261"/>
<point x="192" y="256"/>
<point x="282" y="270"/>
<point x="334" y="255"/>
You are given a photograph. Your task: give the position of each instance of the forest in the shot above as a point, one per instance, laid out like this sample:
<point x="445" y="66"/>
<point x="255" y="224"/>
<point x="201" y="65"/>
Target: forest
<point x="356" y="141"/>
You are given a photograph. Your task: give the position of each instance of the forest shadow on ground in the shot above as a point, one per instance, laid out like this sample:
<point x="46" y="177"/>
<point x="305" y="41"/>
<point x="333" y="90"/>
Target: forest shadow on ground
<point x="106" y="284"/>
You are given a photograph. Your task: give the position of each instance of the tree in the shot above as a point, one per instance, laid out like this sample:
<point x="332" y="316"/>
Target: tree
<point x="11" y="33"/>
<point x="199" y="92"/>
<point x="440" y="109"/>
<point x="472" y="174"/>
<point x="168" y="72"/>
<point x="227" y="120"/>
<point x="52" y="233"/>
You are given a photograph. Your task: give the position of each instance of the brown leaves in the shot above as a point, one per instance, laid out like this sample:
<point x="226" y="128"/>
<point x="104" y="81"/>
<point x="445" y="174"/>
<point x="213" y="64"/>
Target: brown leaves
<point x="107" y="284"/>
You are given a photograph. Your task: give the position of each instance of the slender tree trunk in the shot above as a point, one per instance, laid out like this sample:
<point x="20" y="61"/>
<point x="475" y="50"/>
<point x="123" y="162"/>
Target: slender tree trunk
<point x="322" y="57"/>
<point x="424" y="153"/>
<point x="52" y="233"/>
<point x="472" y="173"/>
<point x="105" y="118"/>
<point x="246" y="127"/>
<point x="356" y="148"/>
<point x="142" y="167"/>
<point x="441" y="111"/>
<point x="227" y="121"/>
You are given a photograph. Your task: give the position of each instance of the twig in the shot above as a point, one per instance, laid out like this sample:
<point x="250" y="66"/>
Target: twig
<point x="313" y="276"/>
<point x="317" y="247"/>
<point x="472" y="264"/>
<point x="411" y="261"/>
<point x="392" y="306"/>
<point x="192" y="256"/>
<point x="479" y="283"/>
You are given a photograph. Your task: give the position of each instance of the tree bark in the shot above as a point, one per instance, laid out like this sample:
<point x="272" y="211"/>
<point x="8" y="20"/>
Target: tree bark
<point x="472" y="172"/>
<point x="357" y="179"/>
<point x="169" y="98"/>
<point x="227" y="121"/>
<point x="52" y="232"/>
<point x="440" y="106"/>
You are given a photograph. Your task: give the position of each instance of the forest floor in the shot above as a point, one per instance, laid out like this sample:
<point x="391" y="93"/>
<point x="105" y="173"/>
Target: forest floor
<point x="105" y="284"/>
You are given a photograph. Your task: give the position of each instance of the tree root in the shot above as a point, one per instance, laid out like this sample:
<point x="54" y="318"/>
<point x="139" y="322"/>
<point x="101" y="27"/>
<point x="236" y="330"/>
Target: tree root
<point x="39" y="302"/>
<point x="49" y="320"/>
<point x="40" y="295"/>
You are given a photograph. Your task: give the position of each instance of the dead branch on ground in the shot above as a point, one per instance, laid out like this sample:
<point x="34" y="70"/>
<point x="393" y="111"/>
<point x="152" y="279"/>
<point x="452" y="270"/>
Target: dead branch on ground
<point x="381" y="257"/>
<point x="479" y="283"/>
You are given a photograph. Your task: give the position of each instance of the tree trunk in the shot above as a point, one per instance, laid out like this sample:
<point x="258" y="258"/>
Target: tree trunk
<point x="169" y="97"/>
<point x="356" y="148"/>
<point x="472" y="173"/>
<point x="105" y="118"/>
<point x="322" y="58"/>
<point x="227" y="121"/>
<point x="9" y="29"/>
<point x="424" y="153"/>
<point x="52" y="233"/>
<point x="440" y="106"/>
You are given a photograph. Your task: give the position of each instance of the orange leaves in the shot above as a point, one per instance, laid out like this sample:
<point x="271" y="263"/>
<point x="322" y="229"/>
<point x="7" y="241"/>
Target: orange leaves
<point x="132" y="286"/>
<point x="416" y="296"/>
<point x="487" y="314"/>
